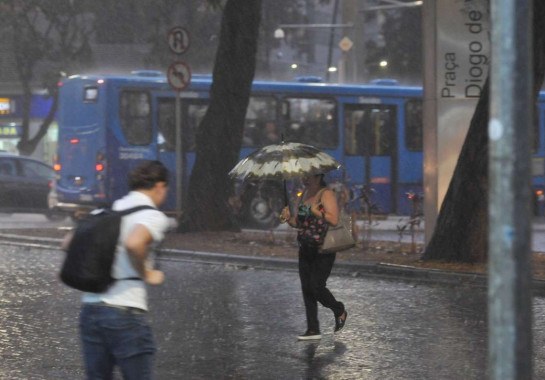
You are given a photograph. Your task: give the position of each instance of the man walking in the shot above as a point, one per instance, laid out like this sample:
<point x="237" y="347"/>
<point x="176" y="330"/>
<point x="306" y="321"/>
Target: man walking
<point x="113" y="325"/>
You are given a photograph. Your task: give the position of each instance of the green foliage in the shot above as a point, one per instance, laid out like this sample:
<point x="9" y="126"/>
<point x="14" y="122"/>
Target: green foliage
<point x="200" y="18"/>
<point x="402" y="32"/>
<point x="45" y="36"/>
<point x="50" y="34"/>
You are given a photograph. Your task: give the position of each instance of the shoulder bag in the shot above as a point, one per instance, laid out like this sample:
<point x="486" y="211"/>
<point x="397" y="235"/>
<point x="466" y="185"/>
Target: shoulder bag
<point x="339" y="238"/>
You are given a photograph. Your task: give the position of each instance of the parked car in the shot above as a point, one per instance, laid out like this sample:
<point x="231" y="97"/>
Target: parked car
<point x="25" y="185"/>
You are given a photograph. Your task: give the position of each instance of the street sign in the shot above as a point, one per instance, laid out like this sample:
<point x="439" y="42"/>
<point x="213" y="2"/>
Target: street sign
<point x="179" y="75"/>
<point x="178" y="40"/>
<point x="346" y="44"/>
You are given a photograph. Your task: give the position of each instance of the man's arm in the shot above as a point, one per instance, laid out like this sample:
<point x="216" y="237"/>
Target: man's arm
<point x="66" y="241"/>
<point x="137" y="245"/>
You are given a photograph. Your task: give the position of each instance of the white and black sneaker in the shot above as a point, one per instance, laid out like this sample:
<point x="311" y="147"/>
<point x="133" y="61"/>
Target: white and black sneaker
<point x="310" y="335"/>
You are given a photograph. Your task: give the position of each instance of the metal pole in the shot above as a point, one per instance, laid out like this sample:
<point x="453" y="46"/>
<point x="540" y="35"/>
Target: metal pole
<point x="331" y="38"/>
<point x="179" y="173"/>
<point x="342" y="67"/>
<point x="511" y="118"/>
<point x="430" y="118"/>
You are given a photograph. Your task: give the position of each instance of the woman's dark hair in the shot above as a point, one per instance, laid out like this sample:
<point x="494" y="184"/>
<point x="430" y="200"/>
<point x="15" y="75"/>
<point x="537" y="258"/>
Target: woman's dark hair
<point x="147" y="174"/>
<point x="323" y="183"/>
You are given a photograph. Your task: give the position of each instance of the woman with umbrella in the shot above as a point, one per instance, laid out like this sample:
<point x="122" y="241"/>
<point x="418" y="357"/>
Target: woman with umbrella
<point x="317" y="207"/>
<point x="316" y="210"/>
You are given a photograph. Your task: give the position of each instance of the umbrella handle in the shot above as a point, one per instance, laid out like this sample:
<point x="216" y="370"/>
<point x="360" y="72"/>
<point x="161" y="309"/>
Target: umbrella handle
<point x="286" y="199"/>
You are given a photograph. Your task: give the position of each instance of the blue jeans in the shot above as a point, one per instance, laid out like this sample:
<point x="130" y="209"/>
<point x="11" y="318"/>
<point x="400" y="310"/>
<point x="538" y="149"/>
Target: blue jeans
<point x="116" y="336"/>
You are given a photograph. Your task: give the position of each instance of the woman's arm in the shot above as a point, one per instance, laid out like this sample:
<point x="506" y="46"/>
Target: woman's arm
<point x="326" y="207"/>
<point x="285" y="217"/>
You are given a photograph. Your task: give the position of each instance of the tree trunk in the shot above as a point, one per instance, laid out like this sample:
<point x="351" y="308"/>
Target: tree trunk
<point x="219" y="137"/>
<point x="27" y="145"/>
<point x="462" y="224"/>
<point x="461" y="232"/>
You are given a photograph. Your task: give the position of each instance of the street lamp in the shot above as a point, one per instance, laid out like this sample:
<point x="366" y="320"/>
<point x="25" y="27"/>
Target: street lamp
<point x="279" y="33"/>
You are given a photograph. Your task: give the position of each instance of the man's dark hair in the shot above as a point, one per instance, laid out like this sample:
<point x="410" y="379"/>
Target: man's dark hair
<point x="147" y="174"/>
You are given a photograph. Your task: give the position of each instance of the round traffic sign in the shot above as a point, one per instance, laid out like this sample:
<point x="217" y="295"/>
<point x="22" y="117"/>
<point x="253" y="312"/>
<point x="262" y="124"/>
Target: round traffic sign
<point x="179" y="75"/>
<point x="178" y="40"/>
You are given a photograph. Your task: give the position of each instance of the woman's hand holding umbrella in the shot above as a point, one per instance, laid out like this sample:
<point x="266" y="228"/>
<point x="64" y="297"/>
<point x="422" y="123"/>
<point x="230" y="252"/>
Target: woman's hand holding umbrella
<point x="285" y="215"/>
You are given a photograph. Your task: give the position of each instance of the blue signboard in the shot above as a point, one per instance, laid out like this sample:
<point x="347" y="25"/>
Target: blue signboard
<point x="10" y="106"/>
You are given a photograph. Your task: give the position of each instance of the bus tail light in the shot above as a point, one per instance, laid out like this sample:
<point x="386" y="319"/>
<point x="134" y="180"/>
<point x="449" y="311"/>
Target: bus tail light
<point x="100" y="168"/>
<point x="74" y="141"/>
<point x="540" y="195"/>
<point x="56" y="165"/>
<point x="100" y="162"/>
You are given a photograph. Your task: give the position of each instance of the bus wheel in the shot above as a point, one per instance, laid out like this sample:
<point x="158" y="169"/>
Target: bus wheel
<point x="261" y="206"/>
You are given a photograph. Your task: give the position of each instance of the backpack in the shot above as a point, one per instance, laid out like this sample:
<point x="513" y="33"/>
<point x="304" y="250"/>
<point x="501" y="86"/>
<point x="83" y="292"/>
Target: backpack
<point x="91" y="251"/>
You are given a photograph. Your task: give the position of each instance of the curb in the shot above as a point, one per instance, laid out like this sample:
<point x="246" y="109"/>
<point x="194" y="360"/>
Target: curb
<point x="352" y="269"/>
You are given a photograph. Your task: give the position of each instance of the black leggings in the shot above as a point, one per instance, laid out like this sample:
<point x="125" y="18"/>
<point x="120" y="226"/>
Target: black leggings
<point x="314" y="269"/>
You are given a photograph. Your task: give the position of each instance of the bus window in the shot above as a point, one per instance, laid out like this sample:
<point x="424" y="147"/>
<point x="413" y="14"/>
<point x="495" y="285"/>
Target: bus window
<point x="260" y="127"/>
<point x="136" y="117"/>
<point x="166" y="123"/>
<point x="369" y="130"/>
<point x="192" y="114"/>
<point x="413" y="125"/>
<point x="353" y="132"/>
<point x="195" y="114"/>
<point x="311" y="121"/>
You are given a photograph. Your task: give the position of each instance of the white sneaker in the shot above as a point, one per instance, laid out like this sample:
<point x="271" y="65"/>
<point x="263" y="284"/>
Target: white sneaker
<point x="310" y="335"/>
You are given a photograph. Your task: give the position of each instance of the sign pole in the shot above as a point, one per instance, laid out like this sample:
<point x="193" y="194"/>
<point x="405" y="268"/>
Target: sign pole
<point x="179" y="77"/>
<point x="179" y="156"/>
<point x="510" y="232"/>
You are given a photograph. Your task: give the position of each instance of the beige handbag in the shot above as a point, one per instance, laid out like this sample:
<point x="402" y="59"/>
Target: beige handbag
<point x="339" y="238"/>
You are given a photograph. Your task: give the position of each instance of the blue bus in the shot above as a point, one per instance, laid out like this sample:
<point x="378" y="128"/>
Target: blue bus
<point x="107" y="123"/>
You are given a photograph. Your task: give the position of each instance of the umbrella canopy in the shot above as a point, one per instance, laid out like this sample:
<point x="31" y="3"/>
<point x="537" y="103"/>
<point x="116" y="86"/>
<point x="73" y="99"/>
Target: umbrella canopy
<point x="284" y="161"/>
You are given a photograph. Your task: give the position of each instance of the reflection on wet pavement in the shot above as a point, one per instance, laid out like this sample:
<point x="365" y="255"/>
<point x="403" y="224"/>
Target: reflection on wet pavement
<point x="220" y="321"/>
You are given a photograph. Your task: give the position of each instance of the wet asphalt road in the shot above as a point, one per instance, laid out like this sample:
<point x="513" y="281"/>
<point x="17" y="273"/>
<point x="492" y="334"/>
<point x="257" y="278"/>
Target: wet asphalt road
<point x="228" y="322"/>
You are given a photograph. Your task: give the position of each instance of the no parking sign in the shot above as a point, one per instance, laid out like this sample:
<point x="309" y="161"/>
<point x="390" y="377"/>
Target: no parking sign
<point x="179" y="75"/>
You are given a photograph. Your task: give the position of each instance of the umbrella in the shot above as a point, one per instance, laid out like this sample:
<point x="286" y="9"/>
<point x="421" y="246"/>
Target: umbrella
<point x="284" y="161"/>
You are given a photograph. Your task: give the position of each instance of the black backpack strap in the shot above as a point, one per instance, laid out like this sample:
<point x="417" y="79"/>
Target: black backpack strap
<point x="135" y="209"/>
<point x="129" y="279"/>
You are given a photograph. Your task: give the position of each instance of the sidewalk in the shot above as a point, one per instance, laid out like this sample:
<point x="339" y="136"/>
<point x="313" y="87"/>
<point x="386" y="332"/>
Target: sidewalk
<point x="277" y="249"/>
